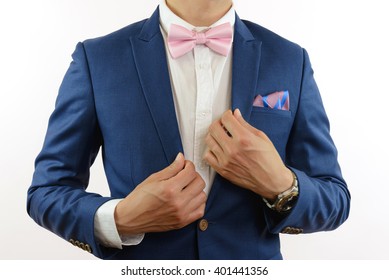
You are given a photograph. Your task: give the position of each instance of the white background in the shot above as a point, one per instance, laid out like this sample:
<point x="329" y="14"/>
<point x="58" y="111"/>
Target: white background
<point x="348" y="45"/>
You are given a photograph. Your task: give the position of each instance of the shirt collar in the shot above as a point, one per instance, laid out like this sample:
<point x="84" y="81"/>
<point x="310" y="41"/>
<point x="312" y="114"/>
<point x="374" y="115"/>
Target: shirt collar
<point x="167" y="17"/>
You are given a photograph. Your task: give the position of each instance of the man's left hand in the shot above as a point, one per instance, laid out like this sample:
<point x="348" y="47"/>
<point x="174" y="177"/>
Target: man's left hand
<point x="245" y="156"/>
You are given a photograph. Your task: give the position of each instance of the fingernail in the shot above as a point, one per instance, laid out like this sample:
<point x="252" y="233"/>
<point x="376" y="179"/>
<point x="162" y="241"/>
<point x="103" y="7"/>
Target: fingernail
<point x="178" y="156"/>
<point x="237" y="111"/>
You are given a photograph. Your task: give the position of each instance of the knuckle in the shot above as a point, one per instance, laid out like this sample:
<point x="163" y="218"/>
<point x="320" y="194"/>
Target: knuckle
<point x="176" y="207"/>
<point x="201" y="212"/>
<point x="168" y="192"/>
<point x="224" y="173"/>
<point x="189" y="166"/>
<point x="181" y="221"/>
<point x="207" y="156"/>
<point x="244" y="141"/>
<point x="261" y="134"/>
<point x="192" y="173"/>
<point x="199" y="180"/>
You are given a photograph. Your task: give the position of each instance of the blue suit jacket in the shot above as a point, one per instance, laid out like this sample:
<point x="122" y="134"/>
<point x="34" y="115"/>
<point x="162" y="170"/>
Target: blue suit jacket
<point x="117" y="95"/>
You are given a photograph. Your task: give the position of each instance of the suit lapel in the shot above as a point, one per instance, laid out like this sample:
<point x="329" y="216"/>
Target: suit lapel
<point x="150" y="59"/>
<point x="245" y="68"/>
<point x="245" y="72"/>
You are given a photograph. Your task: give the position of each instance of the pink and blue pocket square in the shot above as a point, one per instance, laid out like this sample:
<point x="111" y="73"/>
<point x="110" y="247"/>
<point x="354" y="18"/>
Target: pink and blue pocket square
<point x="278" y="100"/>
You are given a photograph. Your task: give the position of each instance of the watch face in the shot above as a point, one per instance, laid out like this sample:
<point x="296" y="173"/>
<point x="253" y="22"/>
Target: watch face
<point x="287" y="202"/>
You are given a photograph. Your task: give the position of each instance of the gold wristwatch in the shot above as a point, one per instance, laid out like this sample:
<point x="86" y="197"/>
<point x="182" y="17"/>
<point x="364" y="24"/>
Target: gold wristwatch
<point x="285" y="200"/>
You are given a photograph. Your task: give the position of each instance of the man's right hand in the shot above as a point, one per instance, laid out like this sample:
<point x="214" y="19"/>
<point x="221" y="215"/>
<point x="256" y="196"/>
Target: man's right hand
<point x="169" y="199"/>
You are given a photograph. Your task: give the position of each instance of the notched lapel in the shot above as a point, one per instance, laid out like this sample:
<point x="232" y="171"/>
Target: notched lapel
<point x="150" y="59"/>
<point x="245" y="68"/>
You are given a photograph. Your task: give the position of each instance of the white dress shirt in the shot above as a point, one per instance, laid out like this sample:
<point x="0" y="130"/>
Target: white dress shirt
<point x="201" y="87"/>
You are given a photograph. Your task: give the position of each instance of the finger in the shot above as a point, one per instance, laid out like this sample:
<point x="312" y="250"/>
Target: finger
<point x="211" y="159"/>
<point x="231" y="124"/>
<point x="196" y="206"/>
<point x="173" y="169"/>
<point x="184" y="177"/>
<point x="241" y="120"/>
<point x="194" y="188"/>
<point x="213" y="146"/>
<point x="218" y="132"/>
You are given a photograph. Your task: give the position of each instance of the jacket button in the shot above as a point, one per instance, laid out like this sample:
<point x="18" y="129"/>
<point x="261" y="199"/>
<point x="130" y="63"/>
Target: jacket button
<point x="203" y="224"/>
<point x="88" y="248"/>
<point x="286" y="230"/>
<point x="292" y="230"/>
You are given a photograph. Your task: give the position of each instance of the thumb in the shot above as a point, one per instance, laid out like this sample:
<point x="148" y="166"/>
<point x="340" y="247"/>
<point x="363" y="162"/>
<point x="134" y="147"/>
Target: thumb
<point x="173" y="169"/>
<point x="241" y="120"/>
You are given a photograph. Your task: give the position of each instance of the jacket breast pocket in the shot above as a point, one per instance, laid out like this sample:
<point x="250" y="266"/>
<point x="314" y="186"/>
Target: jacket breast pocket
<point x="276" y="124"/>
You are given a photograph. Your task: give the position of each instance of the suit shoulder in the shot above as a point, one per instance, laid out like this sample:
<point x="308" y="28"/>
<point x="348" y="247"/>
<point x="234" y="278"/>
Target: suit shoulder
<point x="116" y="37"/>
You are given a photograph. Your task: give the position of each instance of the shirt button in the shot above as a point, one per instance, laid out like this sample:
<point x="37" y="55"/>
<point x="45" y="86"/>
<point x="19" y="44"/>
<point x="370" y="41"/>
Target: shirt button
<point x="203" y="165"/>
<point x="203" y="224"/>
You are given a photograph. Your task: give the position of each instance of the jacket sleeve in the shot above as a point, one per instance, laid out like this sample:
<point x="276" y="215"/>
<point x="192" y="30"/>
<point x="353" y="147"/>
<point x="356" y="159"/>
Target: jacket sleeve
<point x="57" y="199"/>
<point x="324" y="200"/>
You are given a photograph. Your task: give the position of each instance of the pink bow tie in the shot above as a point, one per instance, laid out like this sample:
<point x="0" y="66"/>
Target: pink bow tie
<point x="182" y="40"/>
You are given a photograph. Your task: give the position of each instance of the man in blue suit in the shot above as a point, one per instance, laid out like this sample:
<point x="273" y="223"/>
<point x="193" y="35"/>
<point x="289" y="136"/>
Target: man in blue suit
<point x="213" y="135"/>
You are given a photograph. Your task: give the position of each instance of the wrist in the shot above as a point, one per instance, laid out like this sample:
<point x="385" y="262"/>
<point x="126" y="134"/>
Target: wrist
<point x="118" y="216"/>
<point x="285" y="179"/>
<point x="125" y="218"/>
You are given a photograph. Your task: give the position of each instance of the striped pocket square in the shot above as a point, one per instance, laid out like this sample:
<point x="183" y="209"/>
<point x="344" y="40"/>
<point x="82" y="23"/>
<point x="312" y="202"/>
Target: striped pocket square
<point x="277" y="100"/>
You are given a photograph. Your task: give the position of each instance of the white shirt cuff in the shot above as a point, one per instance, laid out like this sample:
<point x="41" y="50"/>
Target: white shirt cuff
<point x="105" y="228"/>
